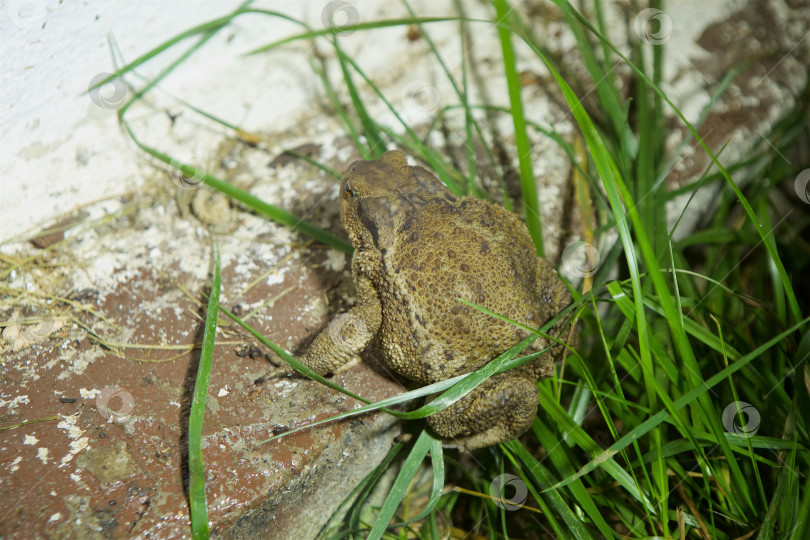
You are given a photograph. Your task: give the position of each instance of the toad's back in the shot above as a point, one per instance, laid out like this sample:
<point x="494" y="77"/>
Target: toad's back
<point x="459" y="247"/>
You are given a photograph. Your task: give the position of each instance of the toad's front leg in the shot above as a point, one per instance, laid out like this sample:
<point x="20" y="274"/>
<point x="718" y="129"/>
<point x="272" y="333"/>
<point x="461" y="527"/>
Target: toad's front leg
<point x="338" y="346"/>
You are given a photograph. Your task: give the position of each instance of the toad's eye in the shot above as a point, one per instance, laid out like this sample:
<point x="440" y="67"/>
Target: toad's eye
<point x="349" y="190"/>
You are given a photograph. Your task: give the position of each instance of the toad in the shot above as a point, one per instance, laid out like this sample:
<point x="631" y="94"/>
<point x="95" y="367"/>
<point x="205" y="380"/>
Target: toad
<point x="417" y="248"/>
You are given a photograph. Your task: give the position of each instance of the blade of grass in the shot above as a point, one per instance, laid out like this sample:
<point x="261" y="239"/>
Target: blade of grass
<point x="751" y="454"/>
<point x="523" y="146"/>
<point x="603" y="79"/>
<point x="446" y="173"/>
<point x="210" y="26"/>
<point x="421" y="447"/>
<point x="273" y="212"/>
<point x="206" y="35"/>
<point x="327" y="32"/>
<point x="196" y="483"/>
<point x="375" y="146"/>
<point x="470" y="124"/>
<point x="648" y="199"/>
<point x="802" y="528"/>
<point x="781" y="506"/>
<point x="340" y="110"/>
<point x="500" y="514"/>
<point x="437" y="464"/>
<point x="25" y="423"/>
<point x="542" y="478"/>
<point x="562" y="463"/>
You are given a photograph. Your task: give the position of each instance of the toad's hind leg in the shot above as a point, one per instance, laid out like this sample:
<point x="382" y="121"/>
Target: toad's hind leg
<point x="499" y="410"/>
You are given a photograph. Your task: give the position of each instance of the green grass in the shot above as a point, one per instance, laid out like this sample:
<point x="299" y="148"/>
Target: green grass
<point x="198" y="509"/>
<point x="637" y="431"/>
